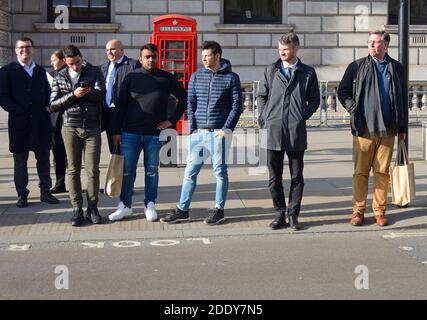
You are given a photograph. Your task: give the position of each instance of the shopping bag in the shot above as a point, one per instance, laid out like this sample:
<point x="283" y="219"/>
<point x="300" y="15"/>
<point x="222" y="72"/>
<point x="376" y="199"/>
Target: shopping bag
<point x="402" y="177"/>
<point x="114" y="179"/>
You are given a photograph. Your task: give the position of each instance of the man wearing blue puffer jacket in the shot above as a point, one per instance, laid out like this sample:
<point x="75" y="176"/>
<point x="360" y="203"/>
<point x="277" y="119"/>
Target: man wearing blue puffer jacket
<point x="214" y="107"/>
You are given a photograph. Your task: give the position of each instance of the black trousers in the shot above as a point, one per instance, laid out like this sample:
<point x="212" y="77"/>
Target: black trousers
<point x="109" y="118"/>
<point x="111" y="147"/>
<point x="59" y="156"/>
<point x="21" y="171"/>
<point x="275" y="169"/>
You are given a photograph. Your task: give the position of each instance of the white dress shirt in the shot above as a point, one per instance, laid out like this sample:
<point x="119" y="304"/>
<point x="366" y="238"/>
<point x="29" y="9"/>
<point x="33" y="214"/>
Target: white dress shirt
<point x="28" y="68"/>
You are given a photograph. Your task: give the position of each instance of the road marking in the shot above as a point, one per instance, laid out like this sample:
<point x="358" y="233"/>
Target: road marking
<point x="87" y="245"/>
<point x="424" y="262"/>
<point x="164" y="243"/>
<point x="204" y="240"/>
<point x="394" y="235"/>
<point x="16" y="247"/>
<point x="406" y="248"/>
<point x="120" y="244"/>
<point x="126" y="244"/>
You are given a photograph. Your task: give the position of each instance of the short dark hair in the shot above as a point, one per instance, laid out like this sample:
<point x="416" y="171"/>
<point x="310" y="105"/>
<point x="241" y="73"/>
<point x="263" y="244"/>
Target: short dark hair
<point x="58" y="53"/>
<point x="384" y="35"/>
<point x="150" y="47"/>
<point x="212" y="45"/>
<point x="71" y="51"/>
<point x="289" y="38"/>
<point x="25" y="39"/>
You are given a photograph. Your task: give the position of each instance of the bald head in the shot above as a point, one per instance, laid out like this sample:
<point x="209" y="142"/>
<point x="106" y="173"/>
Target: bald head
<point x="114" y="49"/>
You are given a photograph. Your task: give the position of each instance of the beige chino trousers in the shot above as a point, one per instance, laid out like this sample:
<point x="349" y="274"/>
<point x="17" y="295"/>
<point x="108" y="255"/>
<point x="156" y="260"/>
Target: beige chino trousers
<point x="375" y="153"/>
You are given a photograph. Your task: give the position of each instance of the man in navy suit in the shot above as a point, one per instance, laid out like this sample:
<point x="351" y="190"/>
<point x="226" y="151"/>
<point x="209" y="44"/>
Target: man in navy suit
<point x="114" y="70"/>
<point x="24" y="94"/>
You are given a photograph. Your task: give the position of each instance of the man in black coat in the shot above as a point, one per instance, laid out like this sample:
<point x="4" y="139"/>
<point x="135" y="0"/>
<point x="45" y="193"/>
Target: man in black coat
<point x="288" y="96"/>
<point x="115" y="70"/>
<point x="371" y="91"/>
<point x="24" y="94"/>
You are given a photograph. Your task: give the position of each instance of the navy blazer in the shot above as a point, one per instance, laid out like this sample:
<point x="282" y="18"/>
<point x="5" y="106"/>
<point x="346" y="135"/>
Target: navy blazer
<point x="127" y="65"/>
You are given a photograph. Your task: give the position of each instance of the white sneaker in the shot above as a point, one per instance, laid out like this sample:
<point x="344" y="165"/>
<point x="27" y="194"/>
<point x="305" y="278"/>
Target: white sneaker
<point x="121" y="212"/>
<point x="150" y="212"/>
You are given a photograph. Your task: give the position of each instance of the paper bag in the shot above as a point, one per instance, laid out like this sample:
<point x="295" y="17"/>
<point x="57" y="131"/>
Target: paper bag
<point x="114" y="179"/>
<point x="402" y="178"/>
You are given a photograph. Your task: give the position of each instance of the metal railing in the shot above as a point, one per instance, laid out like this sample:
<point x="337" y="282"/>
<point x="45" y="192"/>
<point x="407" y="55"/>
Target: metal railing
<point x="331" y="112"/>
<point x="249" y="117"/>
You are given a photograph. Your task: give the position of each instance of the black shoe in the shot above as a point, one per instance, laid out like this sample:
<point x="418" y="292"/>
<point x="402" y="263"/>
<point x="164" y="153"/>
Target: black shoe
<point x="279" y="221"/>
<point x="176" y="216"/>
<point x="216" y="217"/>
<point x="93" y="215"/>
<point x="22" y="201"/>
<point x="58" y="188"/>
<point x="101" y="190"/>
<point x="48" y="198"/>
<point x="77" y="219"/>
<point x="294" y="224"/>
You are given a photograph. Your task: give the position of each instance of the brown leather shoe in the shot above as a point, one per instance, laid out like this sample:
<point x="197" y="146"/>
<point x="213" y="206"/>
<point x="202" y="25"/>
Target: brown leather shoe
<point x="381" y="220"/>
<point x="357" y="219"/>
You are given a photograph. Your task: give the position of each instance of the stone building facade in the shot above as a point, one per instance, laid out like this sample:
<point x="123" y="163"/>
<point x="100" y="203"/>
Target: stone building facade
<point x="332" y="32"/>
<point x="5" y="29"/>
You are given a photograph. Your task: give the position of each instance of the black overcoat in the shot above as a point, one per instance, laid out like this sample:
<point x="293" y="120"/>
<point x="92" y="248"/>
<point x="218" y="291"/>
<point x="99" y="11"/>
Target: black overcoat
<point x="285" y="106"/>
<point x="25" y="98"/>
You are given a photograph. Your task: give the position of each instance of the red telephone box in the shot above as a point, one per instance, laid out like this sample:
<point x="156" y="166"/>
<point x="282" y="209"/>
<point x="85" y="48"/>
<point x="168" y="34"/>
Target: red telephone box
<point x="176" y="37"/>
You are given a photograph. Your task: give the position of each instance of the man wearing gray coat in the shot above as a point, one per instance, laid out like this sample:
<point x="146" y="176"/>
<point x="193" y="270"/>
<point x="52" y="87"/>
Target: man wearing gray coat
<point x="288" y="96"/>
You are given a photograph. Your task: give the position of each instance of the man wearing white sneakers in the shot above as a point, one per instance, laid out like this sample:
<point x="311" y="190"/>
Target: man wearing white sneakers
<point x="142" y="112"/>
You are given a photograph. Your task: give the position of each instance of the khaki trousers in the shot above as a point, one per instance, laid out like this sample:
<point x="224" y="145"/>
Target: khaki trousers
<point x="78" y="143"/>
<point x="375" y="153"/>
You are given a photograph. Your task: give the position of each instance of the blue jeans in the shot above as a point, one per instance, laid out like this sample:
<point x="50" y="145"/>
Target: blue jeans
<point x="130" y="148"/>
<point x="201" y="144"/>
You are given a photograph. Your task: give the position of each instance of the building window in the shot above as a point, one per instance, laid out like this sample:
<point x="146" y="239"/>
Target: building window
<point x="253" y="11"/>
<point x="418" y="12"/>
<point x="82" y="11"/>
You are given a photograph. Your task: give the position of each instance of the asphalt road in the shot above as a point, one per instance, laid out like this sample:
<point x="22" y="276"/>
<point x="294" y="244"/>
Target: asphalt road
<point x="351" y="265"/>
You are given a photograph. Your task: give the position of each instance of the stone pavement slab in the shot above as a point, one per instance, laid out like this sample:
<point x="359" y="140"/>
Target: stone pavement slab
<point x="326" y="204"/>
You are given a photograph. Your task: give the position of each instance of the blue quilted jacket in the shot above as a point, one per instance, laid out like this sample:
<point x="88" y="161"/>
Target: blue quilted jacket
<point x="214" y="99"/>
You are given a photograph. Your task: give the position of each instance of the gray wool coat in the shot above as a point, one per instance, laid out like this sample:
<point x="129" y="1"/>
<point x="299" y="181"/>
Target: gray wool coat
<point x="283" y="112"/>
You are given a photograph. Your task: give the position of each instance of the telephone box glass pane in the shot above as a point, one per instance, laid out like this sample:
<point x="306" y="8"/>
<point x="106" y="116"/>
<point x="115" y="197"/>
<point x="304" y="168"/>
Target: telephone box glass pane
<point x="174" y="65"/>
<point x="175" y="55"/>
<point x="175" y="45"/>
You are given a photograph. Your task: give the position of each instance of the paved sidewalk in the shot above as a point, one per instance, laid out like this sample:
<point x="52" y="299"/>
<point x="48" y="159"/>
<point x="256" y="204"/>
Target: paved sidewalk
<point x="326" y="204"/>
